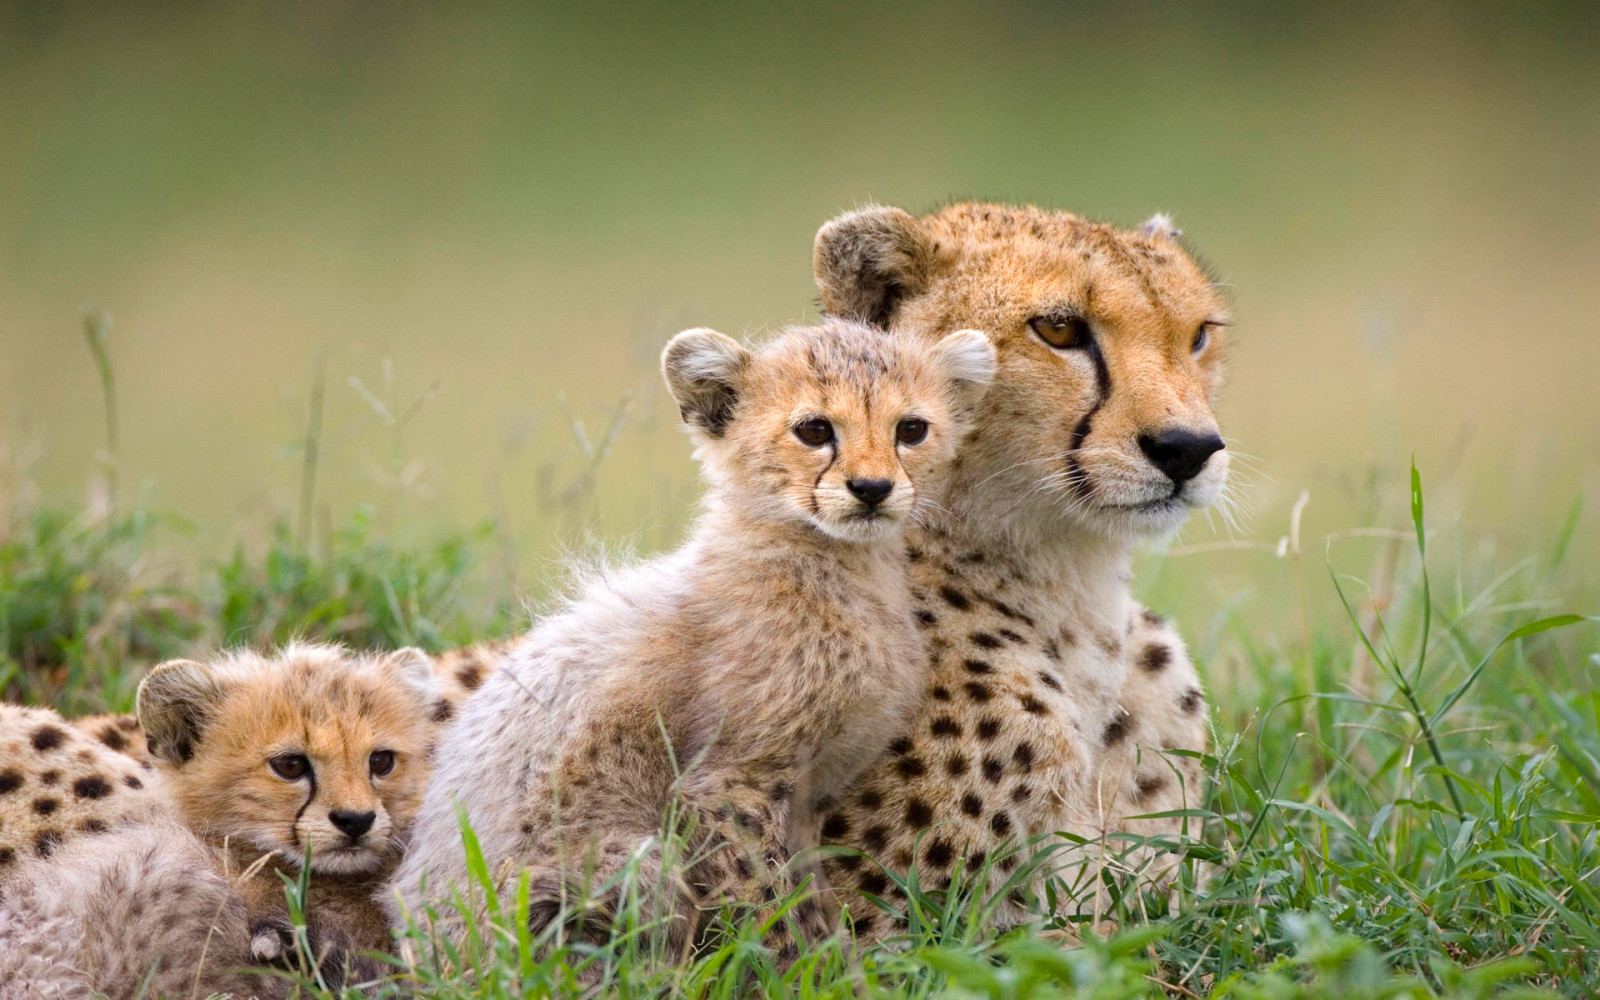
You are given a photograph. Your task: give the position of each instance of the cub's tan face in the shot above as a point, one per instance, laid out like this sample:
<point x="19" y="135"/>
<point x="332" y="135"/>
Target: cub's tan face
<point x="840" y="427"/>
<point x="312" y="750"/>
<point x="1110" y="349"/>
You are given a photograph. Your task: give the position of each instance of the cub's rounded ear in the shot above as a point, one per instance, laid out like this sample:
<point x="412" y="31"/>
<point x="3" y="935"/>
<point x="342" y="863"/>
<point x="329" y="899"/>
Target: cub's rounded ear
<point x="969" y="361"/>
<point x="866" y="261"/>
<point x="175" y="703"/>
<point x="703" y="369"/>
<point x="1159" y="226"/>
<point x="412" y="669"/>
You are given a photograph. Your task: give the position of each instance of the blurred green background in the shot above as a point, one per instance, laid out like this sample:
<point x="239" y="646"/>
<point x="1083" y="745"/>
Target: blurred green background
<point x="502" y="212"/>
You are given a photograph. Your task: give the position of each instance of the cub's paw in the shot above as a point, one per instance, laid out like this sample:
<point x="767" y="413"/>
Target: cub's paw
<point x="272" y="940"/>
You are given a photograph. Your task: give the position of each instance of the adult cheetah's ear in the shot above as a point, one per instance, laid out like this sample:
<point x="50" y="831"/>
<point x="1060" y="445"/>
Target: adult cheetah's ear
<point x="968" y="360"/>
<point x="703" y="369"/>
<point x="1159" y="226"/>
<point x="866" y="261"/>
<point x="175" y="703"/>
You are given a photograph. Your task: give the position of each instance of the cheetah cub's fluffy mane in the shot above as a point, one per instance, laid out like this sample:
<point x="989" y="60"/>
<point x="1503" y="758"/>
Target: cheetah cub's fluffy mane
<point x="741" y="678"/>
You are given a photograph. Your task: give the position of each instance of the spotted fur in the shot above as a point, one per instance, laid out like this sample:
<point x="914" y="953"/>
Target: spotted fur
<point x="1051" y="701"/>
<point x="743" y="677"/>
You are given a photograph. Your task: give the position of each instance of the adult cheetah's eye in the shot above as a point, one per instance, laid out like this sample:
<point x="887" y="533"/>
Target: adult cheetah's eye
<point x="814" y="433"/>
<point x="911" y="430"/>
<point x="381" y="762"/>
<point x="1061" y="332"/>
<point x="290" y="766"/>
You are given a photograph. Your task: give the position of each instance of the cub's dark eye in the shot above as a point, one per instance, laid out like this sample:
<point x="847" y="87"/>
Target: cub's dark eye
<point x="911" y="430"/>
<point x="381" y="762"/>
<point x="1202" y="337"/>
<point x="290" y="766"/>
<point x="814" y="433"/>
<point x="1061" y="332"/>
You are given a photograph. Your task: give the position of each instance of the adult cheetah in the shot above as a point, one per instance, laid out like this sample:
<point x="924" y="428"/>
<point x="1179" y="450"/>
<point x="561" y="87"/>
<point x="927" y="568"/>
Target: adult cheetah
<point x="1052" y="700"/>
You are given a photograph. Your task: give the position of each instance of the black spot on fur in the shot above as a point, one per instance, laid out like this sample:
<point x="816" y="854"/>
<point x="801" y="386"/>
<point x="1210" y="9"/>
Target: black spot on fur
<point x="874" y="882"/>
<point x="1152" y="619"/>
<point x="914" y="554"/>
<point x="926" y="618"/>
<point x="941" y="694"/>
<point x="876" y="838"/>
<point x="918" y="814"/>
<point x="47" y="738"/>
<point x="901" y="745"/>
<point x="870" y="799"/>
<point x="91" y="787"/>
<point x="50" y="777"/>
<point x="742" y="867"/>
<point x="1052" y="651"/>
<point x="132" y="781"/>
<point x="1116" y="729"/>
<point x="7" y="856"/>
<point x="113" y="738"/>
<point x="985" y="640"/>
<point x="993" y="768"/>
<point x="1023" y="755"/>
<point x="1033" y="706"/>
<point x="988" y="728"/>
<point x="956" y="766"/>
<point x="946" y="727"/>
<point x="1049" y="680"/>
<point x="977" y="666"/>
<point x="1015" y="638"/>
<point x="910" y="767"/>
<point x="10" y="780"/>
<point x="955" y="598"/>
<point x="1008" y="611"/>
<point x="45" y="807"/>
<point x="47" y="842"/>
<point x="1190" y="702"/>
<point x="1021" y="793"/>
<point x="978" y="691"/>
<point x="1000" y="823"/>
<point x="442" y="711"/>
<point x="976" y="859"/>
<point x="971" y="805"/>
<point x="93" y="826"/>
<point x="863" y="924"/>
<point x="849" y="862"/>
<point x="781" y="791"/>
<point x="470" y="676"/>
<point x="835" y="826"/>
<point x="1155" y="657"/>
<point x="939" y="854"/>
<point x="1147" y="785"/>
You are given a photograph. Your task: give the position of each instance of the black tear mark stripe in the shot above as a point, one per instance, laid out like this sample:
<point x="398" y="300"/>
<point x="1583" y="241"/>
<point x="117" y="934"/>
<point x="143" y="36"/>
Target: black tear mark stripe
<point x="311" y="796"/>
<point x="833" y="456"/>
<point x="1102" y="382"/>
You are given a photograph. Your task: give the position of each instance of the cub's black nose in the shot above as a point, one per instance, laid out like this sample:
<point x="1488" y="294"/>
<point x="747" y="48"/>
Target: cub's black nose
<point x="352" y="824"/>
<point x="870" y="491"/>
<point x="1179" y="453"/>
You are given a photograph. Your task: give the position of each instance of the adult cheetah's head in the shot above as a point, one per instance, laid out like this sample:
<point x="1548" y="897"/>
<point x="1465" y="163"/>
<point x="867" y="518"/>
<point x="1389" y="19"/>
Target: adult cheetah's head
<point x="1110" y="347"/>
<point x="837" y="427"/>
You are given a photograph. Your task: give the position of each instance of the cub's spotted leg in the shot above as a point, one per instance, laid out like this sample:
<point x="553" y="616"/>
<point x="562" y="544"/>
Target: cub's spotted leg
<point x="752" y="823"/>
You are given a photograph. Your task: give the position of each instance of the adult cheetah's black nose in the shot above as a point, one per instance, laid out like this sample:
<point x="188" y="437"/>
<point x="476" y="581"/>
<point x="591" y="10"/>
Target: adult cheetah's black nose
<point x="870" y="491"/>
<point x="1179" y="453"/>
<point x="350" y="823"/>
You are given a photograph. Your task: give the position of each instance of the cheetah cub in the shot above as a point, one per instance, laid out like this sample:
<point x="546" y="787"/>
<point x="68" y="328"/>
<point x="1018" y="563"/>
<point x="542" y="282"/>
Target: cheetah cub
<point x="259" y="762"/>
<point x="741" y="678"/>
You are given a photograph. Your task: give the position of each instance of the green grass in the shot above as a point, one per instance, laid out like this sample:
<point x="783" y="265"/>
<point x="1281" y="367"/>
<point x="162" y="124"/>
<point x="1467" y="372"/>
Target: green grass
<point x="1405" y="779"/>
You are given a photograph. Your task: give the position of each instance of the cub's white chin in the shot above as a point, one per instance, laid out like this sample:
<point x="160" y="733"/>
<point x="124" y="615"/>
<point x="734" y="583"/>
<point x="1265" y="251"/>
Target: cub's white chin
<point x="861" y="530"/>
<point x="346" y="861"/>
